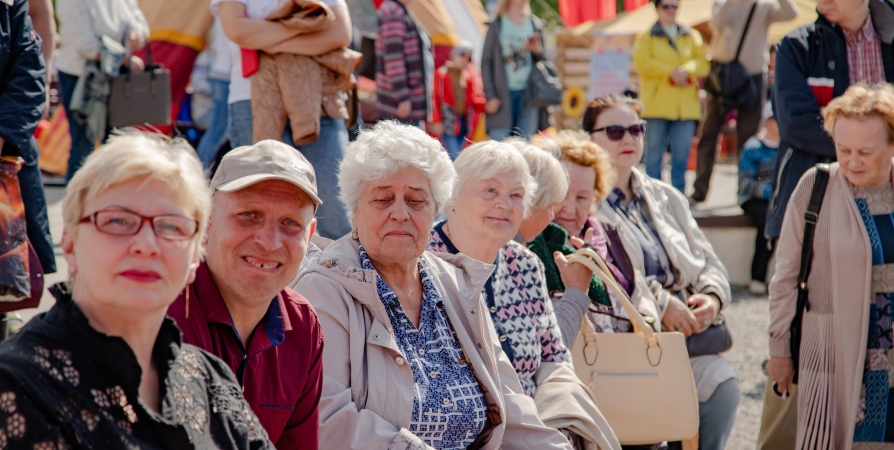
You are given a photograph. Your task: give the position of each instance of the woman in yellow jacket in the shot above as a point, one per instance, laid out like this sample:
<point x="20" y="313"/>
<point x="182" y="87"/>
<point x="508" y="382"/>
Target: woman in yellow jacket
<point x="670" y="60"/>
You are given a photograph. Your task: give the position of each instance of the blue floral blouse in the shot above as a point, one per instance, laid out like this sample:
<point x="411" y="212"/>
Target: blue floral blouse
<point x="449" y="409"/>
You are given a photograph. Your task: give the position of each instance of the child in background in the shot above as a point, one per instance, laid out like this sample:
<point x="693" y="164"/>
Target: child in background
<point x="457" y="99"/>
<point x="755" y="185"/>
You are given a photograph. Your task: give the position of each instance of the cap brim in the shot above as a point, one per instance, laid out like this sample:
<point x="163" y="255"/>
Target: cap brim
<point x="244" y="182"/>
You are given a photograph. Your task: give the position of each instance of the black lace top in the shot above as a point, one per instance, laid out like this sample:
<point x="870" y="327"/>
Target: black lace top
<point x="65" y="385"/>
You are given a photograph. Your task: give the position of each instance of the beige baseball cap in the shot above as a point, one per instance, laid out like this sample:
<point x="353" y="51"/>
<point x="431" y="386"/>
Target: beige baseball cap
<point x="266" y="160"/>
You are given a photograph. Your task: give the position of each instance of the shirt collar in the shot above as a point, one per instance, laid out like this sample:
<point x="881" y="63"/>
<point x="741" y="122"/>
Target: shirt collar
<point x="274" y="323"/>
<point x="867" y="31"/>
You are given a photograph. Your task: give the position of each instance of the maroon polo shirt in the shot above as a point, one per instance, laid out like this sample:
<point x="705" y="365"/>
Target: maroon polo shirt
<point x="280" y="367"/>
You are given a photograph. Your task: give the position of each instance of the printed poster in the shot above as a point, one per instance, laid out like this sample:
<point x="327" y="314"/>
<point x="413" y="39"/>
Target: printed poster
<point x="610" y="64"/>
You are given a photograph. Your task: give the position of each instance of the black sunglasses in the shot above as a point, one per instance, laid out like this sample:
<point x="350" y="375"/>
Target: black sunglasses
<point x="667" y="6"/>
<point x="616" y="132"/>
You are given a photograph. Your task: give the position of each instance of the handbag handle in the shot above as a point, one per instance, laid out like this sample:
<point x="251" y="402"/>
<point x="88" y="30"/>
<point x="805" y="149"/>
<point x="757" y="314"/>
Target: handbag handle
<point x="591" y="260"/>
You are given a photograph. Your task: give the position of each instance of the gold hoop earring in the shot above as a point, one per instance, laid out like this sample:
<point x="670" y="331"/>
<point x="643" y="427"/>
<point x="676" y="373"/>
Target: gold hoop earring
<point x="355" y="235"/>
<point x="187" y="302"/>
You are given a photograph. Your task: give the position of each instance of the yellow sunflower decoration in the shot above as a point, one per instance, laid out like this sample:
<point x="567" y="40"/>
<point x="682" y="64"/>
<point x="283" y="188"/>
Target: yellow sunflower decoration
<point x="573" y="102"/>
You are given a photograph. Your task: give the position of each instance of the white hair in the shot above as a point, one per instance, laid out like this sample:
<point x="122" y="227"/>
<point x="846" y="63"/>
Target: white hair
<point x="384" y="149"/>
<point x="547" y="169"/>
<point x="485" y="160"/>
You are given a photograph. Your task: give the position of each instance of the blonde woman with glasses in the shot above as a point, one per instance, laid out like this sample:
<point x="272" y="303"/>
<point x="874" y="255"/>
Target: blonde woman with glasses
<point x="104" y="368"/>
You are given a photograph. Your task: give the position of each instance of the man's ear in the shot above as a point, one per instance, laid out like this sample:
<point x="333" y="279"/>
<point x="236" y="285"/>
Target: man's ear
<point x="68" y="251"/>
<point x="312" y="229"/>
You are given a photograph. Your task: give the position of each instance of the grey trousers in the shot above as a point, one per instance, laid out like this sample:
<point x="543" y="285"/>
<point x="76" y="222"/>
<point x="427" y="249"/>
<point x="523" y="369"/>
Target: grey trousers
<point x="717" y="415"/>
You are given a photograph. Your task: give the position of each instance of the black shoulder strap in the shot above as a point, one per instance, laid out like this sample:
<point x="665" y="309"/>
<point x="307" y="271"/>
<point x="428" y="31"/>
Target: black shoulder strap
<point x="745" y="31"/>
<point x="811" y="217"/>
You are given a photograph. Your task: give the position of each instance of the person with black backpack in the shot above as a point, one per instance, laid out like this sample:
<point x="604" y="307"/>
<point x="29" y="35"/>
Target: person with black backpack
<point x="830" y="299"/>
<point x="739" y="57"/>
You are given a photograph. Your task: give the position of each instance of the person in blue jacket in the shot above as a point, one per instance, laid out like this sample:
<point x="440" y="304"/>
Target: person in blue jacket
<point x="815" y="64"/>
<point x="755" y="186"/>
<point x="22" y="100"/>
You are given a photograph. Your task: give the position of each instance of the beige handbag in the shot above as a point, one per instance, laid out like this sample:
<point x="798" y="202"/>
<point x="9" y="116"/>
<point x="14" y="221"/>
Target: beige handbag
<point x="642" y="380"/>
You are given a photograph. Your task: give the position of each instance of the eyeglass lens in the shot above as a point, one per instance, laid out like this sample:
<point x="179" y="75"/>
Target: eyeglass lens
<point x="616" y="132"/>
<point x="126" y="223"/>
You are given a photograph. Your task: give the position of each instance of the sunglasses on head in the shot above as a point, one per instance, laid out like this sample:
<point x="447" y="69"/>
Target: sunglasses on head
<point x="616" y="132"/>
<point x="667" y="6"/>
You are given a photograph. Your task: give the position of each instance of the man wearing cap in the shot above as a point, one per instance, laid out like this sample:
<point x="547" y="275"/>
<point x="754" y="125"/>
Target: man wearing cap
<point x="239" y="307"/>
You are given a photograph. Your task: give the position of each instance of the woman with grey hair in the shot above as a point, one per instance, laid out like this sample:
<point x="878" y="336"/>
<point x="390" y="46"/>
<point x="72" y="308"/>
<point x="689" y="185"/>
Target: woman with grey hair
<point x="410" y="361"/>
<point x="493" y="194"/>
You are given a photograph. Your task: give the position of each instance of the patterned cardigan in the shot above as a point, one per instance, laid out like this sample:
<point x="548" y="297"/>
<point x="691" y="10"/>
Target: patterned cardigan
<point x="520" y="307"/>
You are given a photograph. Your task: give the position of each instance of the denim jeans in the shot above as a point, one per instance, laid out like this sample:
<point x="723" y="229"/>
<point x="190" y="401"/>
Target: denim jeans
<point x="677" y="134"/>
<point x="523" y="119"/>
<point x="324" y="155"/>
<point x="81" y="147"/>
<point x="717" y="416"/>
<point x="454" y="143"/>
<point x="239" y="127"/>
<point x="216" y="134"/>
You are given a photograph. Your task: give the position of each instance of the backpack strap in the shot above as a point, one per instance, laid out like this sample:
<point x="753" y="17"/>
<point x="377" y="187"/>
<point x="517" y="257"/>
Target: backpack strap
<point x="745" y="31"/>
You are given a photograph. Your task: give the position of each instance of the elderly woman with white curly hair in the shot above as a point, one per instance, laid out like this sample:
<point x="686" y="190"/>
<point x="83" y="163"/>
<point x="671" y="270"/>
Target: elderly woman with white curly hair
<point x="493" y="194"/>
<point x="411" y="358"/>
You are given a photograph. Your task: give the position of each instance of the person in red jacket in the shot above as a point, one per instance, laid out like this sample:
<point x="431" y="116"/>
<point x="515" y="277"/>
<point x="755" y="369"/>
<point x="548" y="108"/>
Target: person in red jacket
<point x="458" y="99"/>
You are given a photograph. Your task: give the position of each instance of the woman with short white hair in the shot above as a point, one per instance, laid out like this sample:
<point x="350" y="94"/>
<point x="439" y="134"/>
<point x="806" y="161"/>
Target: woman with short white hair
<point x="410" y="360"/>
<point x="493" y="194"/>
<point x="105" y="367"/>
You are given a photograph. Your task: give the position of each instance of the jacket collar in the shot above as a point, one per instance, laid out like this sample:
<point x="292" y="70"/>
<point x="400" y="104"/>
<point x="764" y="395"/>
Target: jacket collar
<point x="274" y="323"/>
<point x="882" y="14"/>
<point x="658" y="31"/>
<point x="341" y="262"/>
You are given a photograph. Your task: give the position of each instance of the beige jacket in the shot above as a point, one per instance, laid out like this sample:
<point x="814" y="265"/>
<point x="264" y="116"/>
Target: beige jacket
<point x="566" y="403"/>
<point x="299" y="89"/>
<point x="835" y="329"/>
<point x="689" y="253"/>
<point x="728" y="22"/>
<point x="367" y="387"/>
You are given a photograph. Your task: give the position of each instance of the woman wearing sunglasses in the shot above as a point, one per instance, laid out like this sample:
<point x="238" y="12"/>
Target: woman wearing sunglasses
<point x="670" y="59"/>
<point x="663" y="242"/>
<point x="104" y="368"/>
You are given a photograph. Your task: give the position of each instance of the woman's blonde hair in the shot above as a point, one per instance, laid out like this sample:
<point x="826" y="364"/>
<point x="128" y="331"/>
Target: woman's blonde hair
<point x="577" y="147"/>
<point x="862" y="102"/>
<point x="547" y="169"/>
<point x="503" y="8"/>
<point x="137" y="155"/>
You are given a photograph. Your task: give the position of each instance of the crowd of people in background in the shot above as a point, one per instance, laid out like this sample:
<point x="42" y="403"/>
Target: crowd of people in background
<point x="302" y="280"/>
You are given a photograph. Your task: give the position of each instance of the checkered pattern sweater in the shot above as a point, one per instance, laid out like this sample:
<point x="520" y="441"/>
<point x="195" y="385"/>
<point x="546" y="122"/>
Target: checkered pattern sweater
<point x="520" y="307"/>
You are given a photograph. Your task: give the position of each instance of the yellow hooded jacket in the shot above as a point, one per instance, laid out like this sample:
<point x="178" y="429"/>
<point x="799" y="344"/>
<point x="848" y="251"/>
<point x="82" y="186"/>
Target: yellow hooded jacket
<point x="655" y="58"/>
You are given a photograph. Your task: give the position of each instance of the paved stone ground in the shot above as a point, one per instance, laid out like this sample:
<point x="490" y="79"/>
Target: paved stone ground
<point x="747" y="316"/>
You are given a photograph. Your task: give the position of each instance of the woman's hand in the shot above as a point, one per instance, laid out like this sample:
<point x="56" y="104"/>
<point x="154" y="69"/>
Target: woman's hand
<point x="578" y="242"/>
<point x="573" y="274"/>
<point x="680" y="77"/>
<point x="136" y="39"/>
<point x="136" y="64"/>
<point x="781" y="371"/>
<point x="492" y="106"/>
<point x="705" y="308"/>
<point x="404" y="109"/>
<point x="678" y="317"/>
<point x="436" y="129"/>
<point x="534" y="45"/>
